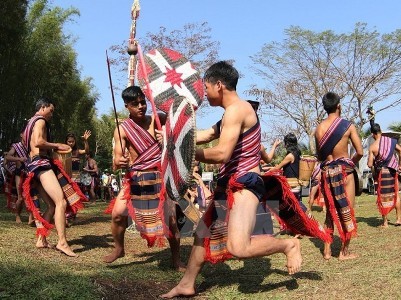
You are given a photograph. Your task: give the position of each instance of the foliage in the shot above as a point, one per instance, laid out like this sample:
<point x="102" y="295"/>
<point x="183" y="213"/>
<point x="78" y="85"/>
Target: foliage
<point x="46" y="67"/>
<point x="363" y="67"/>
<point x="105" y="126"/>
<point x="193" y="41"/>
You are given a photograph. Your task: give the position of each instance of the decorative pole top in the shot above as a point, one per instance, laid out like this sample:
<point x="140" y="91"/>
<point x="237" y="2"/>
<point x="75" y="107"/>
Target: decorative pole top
<point x="132" y="43"/>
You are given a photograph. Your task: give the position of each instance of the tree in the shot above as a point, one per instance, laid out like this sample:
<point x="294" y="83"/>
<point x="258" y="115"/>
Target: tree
<point x="363" y="67"/>
<point x="12" y="33"/>
<point x="193" y="41"/>
<point x="44" y="64"/>
<point x="105" y="127"/>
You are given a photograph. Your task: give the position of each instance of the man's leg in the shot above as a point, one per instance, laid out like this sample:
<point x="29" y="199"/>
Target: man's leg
<point x="328" y="224"/>
<point x="47" y="215"/>
<point x="174" y="241"/>
<point x="240" y="226"/>
<point x="18" y="204"/>
<point x="350" y="190"/>
<point x="186" y="286"/>
<point x="52" y="188"/>
<point x="119" y="218"/>
<point x="398" y="210"/>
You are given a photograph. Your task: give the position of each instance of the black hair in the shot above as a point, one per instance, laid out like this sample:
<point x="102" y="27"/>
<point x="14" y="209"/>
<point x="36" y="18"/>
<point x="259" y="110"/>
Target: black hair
<point x="71" y="135"/>
<point x="375" y="128"/>
<point x="132" y="93"/>
<point x="46" y="102"/>
<point x="224" y="72"/>
<point x="330" y="102"/>
<point x="291" y="144"/>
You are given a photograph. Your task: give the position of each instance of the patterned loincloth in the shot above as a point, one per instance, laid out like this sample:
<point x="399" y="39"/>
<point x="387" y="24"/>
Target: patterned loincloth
<point x="71" y="191"/>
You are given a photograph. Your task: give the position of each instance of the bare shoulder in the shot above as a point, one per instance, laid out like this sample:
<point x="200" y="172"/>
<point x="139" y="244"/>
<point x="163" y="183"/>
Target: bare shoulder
<point x="320" y="129"/>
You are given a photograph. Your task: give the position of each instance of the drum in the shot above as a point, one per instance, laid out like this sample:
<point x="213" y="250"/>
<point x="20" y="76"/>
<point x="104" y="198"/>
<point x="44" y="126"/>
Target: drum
<point x="306" y="166"/>
<point x="85" y="178"/>
<point x="66" y="159"/>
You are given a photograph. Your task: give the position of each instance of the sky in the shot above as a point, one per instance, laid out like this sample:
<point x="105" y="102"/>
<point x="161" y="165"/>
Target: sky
<point x="241" y="27"/>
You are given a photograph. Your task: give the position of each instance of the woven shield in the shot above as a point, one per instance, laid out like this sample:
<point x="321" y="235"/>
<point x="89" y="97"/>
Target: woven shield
<point x="178" y="156"/>
<point x="170" y="74"/>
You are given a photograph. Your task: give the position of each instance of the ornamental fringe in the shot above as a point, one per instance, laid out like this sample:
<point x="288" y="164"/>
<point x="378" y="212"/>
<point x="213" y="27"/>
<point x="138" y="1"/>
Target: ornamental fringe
<point x="344" y="236"/>
<point x="385" y="211"/>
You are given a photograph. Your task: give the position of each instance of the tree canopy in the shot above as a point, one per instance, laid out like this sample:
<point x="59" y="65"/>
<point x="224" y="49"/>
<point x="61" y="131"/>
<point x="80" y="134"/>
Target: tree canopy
<point x="39" y="60"/>
<point x="363" y="67"/>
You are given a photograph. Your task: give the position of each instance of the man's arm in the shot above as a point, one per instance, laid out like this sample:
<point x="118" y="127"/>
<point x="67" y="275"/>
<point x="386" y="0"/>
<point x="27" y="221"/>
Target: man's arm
<point x="39" y="138"/>
<point x="120" y="160"/>
<point x="371" y="156"/>
<point x="207" y="135"/>
<point x="398" y="149"/>
<point x="10" y="156"/>
<point x="231" y="129"/>
<point x="357" y="143"/>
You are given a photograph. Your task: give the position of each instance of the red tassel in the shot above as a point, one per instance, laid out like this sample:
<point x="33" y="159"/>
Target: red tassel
<point x="45" y="230"/>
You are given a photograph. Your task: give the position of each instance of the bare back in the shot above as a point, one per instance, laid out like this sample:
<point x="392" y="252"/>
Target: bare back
<point x="341" y="149"/>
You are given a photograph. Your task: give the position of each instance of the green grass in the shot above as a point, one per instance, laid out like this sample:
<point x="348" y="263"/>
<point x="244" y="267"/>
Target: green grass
<point x="30" y="273"/>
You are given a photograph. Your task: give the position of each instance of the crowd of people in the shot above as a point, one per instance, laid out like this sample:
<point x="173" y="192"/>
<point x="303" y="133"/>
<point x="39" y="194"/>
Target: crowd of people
<point x="243" y="187"/>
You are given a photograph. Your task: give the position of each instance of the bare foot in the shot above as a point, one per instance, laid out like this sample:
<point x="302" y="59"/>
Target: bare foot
<point x="43" y="243"/>
<point x="115" y="254"/>
<point x="343" y="256"/>
<point x="327" y="251"/>
<point x="397" y="223"/>
<point x="64" y="248"/>
<point x="179" y="290"/>
<point x="384" y="225"/>
<point x="18" y="219"/>
<point x="294" y="258"/>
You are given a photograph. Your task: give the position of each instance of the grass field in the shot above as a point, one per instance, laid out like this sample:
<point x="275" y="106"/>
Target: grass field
<point x="30" y="273"/>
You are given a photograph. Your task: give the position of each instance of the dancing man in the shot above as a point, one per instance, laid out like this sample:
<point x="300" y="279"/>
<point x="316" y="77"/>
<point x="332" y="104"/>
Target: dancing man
<point x="18" y="154"/>
<point x="382" y="157"/>
<point x="332" y="137"/>
<point x="238" y="150"/>
<point x="55" y="187"/>
<point x="140" y="195"/>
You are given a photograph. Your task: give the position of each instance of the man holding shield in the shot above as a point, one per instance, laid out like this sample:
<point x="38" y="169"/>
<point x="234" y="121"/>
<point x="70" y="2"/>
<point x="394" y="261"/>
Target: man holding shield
<point x="238" y="150"/>
<point x="139" y="196"/>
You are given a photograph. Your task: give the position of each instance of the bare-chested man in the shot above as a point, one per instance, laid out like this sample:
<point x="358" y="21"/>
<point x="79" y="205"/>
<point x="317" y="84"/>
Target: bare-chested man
<point x="332" y="138"/>
<point x="37" y="136"/>
<point x="387" y="165"/>
<point x="238" y="150"/>
<point x="141" y="201"/>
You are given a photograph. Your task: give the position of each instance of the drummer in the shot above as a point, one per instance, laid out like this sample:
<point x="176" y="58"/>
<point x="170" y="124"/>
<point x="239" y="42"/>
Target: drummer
<point x="54" y="189"/>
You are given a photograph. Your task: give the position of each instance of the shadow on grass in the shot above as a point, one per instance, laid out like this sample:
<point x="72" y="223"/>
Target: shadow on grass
<point x="371" y="221"/>
<point x="89" y="242"/>
<point x="335" y="246"/>
<point x="162" y="258"/>
<point x="82" y="220"/>
<point x="249" y="278"/>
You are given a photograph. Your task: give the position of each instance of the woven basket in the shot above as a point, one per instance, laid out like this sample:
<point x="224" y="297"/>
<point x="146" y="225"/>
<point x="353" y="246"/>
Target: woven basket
<point x="306" y="166"/>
